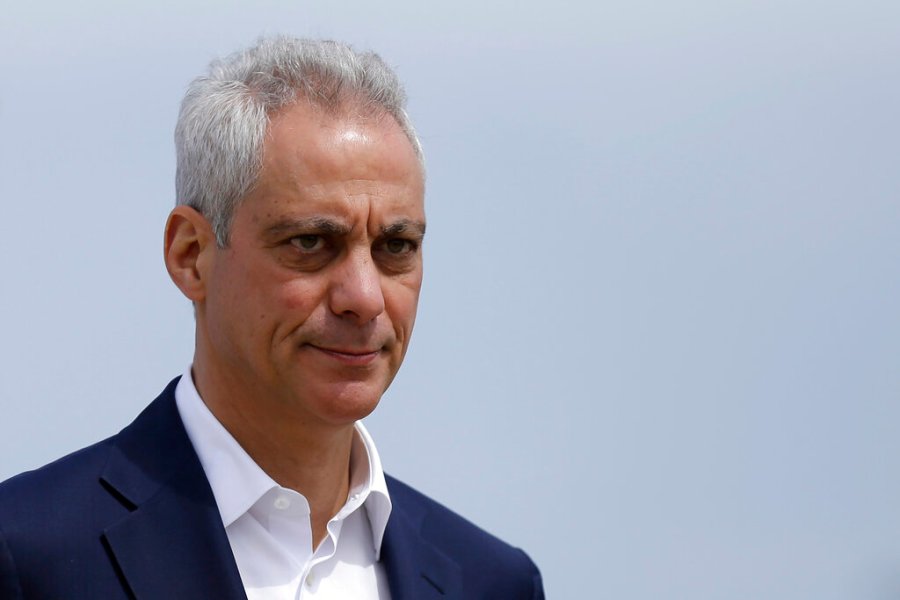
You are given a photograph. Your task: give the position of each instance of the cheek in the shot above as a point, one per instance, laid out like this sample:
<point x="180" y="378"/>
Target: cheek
<point x="278" y="310"/>
<point x="261" y="301"/>
<point x="401" y="302"/>
<point x="299" y="296"/>
<point x="230" y="297"/>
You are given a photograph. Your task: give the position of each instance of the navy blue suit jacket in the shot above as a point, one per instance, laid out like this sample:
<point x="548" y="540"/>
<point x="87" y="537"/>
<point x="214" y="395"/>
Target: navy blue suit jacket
<point x="134" y="517"/>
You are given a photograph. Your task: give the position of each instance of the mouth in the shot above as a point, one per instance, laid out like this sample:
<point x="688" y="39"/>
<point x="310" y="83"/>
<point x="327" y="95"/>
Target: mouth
<point x="349" y="356"/>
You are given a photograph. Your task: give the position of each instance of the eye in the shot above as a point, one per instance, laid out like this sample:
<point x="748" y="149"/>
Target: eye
<point x="308" y="243"/>
<point x="398" y="246"/>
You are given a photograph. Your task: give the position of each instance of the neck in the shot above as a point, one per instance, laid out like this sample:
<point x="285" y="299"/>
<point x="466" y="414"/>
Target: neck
<point x="310" y="458"/>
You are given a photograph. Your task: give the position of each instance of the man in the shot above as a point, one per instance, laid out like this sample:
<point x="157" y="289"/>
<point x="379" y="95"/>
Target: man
<point x="297" y="237"/>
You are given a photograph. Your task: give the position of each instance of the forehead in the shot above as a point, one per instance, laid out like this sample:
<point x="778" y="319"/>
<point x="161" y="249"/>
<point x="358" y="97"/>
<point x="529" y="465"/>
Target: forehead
<point x="306" y="143"/>
<point x="359" y="168"/>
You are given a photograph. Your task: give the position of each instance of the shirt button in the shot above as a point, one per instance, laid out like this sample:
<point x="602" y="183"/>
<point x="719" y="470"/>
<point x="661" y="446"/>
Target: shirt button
<point x="282" y="503"/>
<point x="310" y="579"/>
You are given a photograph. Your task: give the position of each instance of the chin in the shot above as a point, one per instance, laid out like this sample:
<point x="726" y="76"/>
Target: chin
<point x="349" y="404"/>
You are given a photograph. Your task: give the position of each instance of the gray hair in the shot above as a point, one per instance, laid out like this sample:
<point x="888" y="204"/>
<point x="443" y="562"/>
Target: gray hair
<point x="224" y="115"/>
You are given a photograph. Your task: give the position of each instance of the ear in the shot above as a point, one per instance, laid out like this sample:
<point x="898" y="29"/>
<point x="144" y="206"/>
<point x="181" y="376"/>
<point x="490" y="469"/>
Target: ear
<point x="188" y="247"/>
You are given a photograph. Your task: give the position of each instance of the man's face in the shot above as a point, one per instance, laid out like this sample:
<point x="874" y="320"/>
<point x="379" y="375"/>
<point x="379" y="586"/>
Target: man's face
<point x="312" y="304"/>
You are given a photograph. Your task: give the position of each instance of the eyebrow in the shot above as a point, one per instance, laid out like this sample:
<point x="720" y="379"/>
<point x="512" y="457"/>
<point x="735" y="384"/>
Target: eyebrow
<point x="324" y="225"/>
<point x="408" y="226"/>
<point x="310" y="225"/>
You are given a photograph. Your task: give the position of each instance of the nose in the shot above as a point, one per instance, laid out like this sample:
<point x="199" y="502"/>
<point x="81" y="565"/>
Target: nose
<point x="356" y="289"/>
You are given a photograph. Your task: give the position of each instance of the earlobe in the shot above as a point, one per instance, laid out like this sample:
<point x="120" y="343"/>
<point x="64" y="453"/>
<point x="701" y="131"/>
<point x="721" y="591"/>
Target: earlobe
<point x="188" y="242"/>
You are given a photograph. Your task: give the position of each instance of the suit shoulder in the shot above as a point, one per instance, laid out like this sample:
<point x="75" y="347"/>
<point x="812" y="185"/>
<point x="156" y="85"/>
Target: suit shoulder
<point x="458" y="537"/>
<point x="76" y="476"/>
<point x="57" y="481"/>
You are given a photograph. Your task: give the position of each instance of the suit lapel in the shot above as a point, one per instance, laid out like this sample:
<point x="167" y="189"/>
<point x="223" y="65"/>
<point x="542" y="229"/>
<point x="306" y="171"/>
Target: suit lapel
<point x="172" y="543"/>
<point x="416" y="570"/>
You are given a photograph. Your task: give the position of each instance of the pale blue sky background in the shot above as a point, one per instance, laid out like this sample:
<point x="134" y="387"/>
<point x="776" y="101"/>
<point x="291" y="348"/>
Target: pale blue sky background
<point x="659" y="339"/>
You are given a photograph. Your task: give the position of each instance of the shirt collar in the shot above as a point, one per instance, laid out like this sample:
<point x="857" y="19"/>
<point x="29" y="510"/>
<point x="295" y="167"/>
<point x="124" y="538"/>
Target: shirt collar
<point x="237" y="482"/>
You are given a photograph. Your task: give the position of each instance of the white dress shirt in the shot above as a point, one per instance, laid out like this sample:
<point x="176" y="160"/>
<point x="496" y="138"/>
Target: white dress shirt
<point x="268" y="526"/>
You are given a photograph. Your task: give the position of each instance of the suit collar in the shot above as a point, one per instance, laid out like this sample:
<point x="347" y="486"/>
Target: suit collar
<point x="416" y="569"/>
<point x="238" y="483"/>
<point x="172" y="543"/>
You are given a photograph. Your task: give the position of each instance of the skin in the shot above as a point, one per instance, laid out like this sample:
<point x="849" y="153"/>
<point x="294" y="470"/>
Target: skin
<point x="304" y="318"/>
